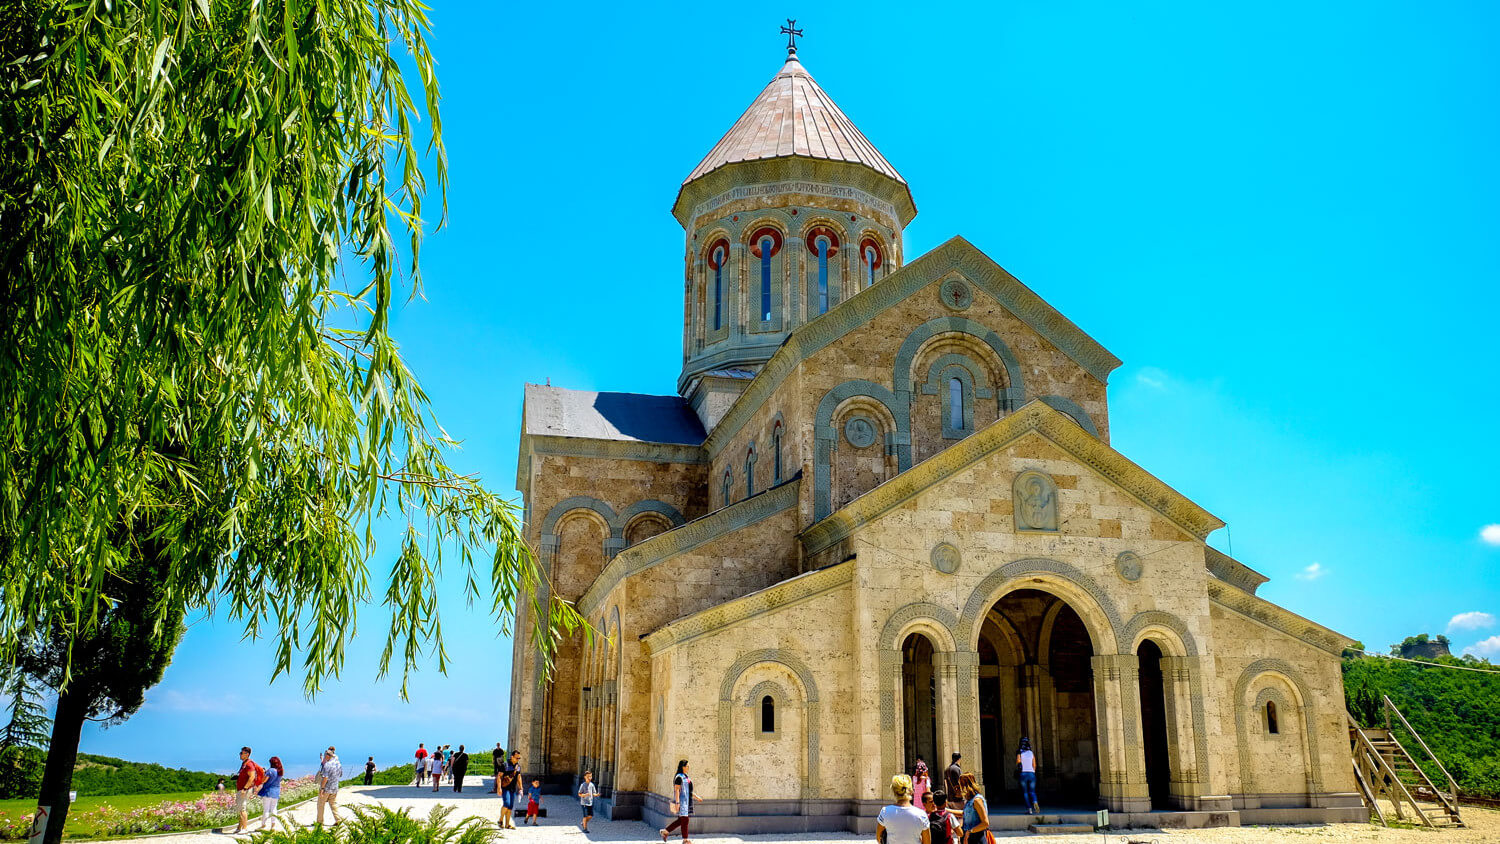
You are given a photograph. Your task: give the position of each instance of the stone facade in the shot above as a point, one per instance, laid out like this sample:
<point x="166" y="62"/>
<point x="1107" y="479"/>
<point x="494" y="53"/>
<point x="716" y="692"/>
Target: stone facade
<point x="900" y="531"/>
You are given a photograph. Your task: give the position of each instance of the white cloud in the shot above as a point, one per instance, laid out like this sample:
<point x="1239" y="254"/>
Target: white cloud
<point x="216" y="703"/>
<point x="1488" y="649"/>
<point x="1490" y="534"/>
<point x="1157" y="380"/>
<point x="1471" y="621"/>
<point x="1312" y="572"/>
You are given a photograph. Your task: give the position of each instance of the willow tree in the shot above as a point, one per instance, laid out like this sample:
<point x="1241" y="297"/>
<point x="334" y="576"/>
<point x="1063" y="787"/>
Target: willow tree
<point x="206" y="211"/>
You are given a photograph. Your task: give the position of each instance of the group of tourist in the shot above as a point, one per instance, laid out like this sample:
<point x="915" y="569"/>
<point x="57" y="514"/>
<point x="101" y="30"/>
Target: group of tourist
<point x="253" y="782"/>
<point x="954" y="814"/>
<point x="441" y="764"/>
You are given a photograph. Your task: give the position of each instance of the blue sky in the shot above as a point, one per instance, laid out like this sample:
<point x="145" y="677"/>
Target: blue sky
<point x="1281" y="216"/>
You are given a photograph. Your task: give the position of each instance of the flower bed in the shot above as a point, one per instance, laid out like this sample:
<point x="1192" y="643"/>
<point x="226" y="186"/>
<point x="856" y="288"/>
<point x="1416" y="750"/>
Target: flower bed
<point x="213" y="809"/>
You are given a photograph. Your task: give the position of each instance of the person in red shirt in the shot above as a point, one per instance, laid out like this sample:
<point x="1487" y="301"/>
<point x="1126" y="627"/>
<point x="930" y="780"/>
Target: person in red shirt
<point x="249" y="778"/>
<point x="421" y="762"/>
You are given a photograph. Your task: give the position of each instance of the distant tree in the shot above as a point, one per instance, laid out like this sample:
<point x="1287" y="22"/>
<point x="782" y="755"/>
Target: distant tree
<point x="1441" y="640"/>
<point x="24" y="739"/>
<point x="199" y="209"/>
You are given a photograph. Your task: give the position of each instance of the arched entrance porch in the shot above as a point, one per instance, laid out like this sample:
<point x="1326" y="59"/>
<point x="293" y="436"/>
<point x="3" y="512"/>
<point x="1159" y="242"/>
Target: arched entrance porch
<point x="1036" y="680"/>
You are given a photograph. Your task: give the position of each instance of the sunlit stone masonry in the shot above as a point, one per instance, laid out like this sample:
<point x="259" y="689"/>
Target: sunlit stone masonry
<point x="880" y="519"/>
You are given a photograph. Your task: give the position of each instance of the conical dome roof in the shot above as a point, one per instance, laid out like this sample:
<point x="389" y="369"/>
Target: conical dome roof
<point x="794" y="117"/>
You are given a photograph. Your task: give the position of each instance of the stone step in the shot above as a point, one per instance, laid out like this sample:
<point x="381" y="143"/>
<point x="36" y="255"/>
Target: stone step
<point x="1060" y="828"/>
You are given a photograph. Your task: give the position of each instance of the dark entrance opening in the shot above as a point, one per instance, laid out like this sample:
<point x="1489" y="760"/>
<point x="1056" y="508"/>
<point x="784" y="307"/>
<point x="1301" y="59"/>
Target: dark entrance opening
<point x="919" y="703"/>
<point x="1036" y="681"/>
<point x="1154" y="722"/>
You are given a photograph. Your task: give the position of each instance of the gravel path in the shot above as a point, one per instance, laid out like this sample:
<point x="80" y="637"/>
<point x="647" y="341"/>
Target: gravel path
<point x="562" y="826"/>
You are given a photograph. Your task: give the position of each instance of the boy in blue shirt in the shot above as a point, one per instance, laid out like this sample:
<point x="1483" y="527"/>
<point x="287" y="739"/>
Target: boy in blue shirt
<point x="533" y="801"/>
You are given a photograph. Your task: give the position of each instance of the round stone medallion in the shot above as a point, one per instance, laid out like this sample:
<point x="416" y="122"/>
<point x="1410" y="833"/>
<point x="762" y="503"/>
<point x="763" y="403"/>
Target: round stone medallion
<point x="860" y="432"/>
<point x="956" y="295"/>
<point x="945" y="557"/>
<point x="1129" y="565"/>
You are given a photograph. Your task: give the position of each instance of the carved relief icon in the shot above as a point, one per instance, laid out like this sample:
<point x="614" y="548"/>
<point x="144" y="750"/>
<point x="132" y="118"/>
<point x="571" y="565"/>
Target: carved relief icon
<point x="860" y="432"/>
<point x="1035" y="502"/>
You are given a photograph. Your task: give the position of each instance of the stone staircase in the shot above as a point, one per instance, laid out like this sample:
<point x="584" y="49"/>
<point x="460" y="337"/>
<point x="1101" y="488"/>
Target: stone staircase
<point x="1386" y="773"/>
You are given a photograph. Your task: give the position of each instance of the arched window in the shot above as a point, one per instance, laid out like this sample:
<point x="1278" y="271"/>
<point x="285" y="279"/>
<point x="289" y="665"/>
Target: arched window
<point x="728" y="487"/>
<point x="870" y="258"/>
<point x="956" y="404"/>
<point x="767" y="714"/>
<point x="765" y="244"/>
<point x="823" y="245"/>
<point x="765" y="279"/>
<point x="776" y="454"/>
<point x="1272" y="727"/>
<point x="717" y="258"/>
<point x="823" y="242"/>
<point x="750" y="472"/>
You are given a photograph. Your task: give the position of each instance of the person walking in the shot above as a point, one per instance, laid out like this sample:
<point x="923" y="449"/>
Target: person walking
<point x="939" y="819"/>
<point x="448" y="765"/>
<point x="920" y="783"/>
<point x="497" y="756"/>
<point x="329" y="776"/>
<point x="435" y="767"/>
<point x="460" y="767"/>
<point x="682" y="800"/>
<point x="533" y="801"/>
<point x="245" y="782"/>
<point x="587" y="791"/>
<point x="270" y="792"/>
<point x="1026" y="759"/>
<point x="421" y="763"/>
<point x="976" y="812"/>
<point x="510" y="786"/>
<point x="951" y="778"/>
<point x="901" y="822"/>
<point x="370" y="771"/>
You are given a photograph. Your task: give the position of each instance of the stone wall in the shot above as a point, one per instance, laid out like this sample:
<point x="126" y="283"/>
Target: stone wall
<point x="1256" y="665"/>
<point x="582" y="511"/>
<point x="750" y="558"/>
<point x="873" y="353"/>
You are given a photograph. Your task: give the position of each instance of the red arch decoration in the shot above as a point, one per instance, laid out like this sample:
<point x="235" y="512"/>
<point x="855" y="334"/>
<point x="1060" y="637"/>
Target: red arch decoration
<point x="761" y="234"/>
<point x="822" y="231"/>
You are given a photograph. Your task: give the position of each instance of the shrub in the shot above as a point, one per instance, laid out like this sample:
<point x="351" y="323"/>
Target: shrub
<point x="379" y="825"/>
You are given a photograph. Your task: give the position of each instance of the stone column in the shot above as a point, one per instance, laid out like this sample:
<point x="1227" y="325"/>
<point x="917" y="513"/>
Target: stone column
<point x="1122" y="759"/>
<point x="1189" y="766"/>
<point x="735" y="300"/>
<point x="796" y="300"/>
<point x="1011" y="719"/>
<point x="947" y="666"/>
<point x="910" y="722"/>
<point x="966" y="665"/>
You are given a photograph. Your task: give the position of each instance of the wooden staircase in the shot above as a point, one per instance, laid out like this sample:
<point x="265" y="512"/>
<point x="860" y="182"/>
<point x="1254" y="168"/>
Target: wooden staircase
<point x="1385" y="770"/>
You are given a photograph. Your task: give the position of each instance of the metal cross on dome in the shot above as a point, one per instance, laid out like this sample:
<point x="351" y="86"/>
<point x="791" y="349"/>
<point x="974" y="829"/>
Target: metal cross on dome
<point x="791" y="32"/>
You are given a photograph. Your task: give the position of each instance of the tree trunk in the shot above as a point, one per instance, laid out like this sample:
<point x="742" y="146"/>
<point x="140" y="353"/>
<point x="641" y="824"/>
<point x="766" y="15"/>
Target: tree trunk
<point x="57" y="777"/>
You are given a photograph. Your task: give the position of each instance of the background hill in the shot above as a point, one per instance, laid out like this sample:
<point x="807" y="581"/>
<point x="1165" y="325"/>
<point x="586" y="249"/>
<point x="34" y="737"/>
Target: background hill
<point x="105" y="775"/>
<point x="1456" y="712"/>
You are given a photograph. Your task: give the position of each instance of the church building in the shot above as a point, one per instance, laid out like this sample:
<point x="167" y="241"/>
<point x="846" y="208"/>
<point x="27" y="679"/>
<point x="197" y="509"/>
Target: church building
<point x="880" y="520"/>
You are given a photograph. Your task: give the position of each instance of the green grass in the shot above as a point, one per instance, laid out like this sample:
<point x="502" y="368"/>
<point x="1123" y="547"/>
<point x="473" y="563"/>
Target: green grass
<point x="123" y="802"/>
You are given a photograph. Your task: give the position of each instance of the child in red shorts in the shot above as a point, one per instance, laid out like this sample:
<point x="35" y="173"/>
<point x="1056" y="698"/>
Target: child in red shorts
<point x="533" y="801"/>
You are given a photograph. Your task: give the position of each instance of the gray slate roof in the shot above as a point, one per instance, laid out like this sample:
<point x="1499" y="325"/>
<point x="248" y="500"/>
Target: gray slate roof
<point x="556" y="412"/>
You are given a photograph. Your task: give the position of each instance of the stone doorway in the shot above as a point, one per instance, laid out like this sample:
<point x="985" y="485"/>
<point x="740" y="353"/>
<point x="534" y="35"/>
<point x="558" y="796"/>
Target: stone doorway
<point x="1154" y="726"/>
<point x="1036" y="680"/>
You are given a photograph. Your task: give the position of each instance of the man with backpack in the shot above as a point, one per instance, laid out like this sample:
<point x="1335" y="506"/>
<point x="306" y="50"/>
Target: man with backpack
<point x="246" y="781"/>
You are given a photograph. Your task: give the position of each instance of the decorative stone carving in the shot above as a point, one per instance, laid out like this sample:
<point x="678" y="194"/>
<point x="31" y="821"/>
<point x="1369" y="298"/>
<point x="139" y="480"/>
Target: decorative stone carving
<point x="1130" y="566"/>
<point x="946" y="557"/>
<point x="860" y="432"/>
<point x="1034" y="495"/>
<point x="956" y="295"/>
